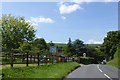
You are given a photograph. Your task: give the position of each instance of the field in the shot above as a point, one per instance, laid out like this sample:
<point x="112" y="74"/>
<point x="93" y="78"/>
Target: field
<point x="60" y="44"/>
<point x="63" y="45"/>
<point x="58" y="70"/>
<point x="93" y="45"/>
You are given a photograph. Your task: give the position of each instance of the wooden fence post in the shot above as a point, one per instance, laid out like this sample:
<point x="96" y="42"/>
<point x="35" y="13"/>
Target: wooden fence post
<point x="27" y="60"/>
<point x="46" y="60"/>
<point x="38" y="59"/>
<point x="52" y="59"/>
<point x="11" y="59"/>
<point x="34" y="58"/>
<point x="23" y="57"/>
<point x="31" y="58"/>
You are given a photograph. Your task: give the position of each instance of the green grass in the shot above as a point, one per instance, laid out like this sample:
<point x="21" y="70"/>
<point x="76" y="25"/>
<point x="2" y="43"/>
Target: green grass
<point x="93" y="45"/>
<point x="116" y="61"/>
<point x="60" y="44"/>
<point x="58" y="70"/>
<point x="63" y="45"/>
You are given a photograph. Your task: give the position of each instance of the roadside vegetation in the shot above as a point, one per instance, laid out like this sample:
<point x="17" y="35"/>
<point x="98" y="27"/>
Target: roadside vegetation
<point x="110" y="44"/>
<point x="116" y="61"/>
<point x="111" y="47"/>
<point x="58" y="70"/>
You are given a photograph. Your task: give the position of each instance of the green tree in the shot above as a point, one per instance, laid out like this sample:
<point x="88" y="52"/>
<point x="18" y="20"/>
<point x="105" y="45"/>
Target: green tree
<point x="15" y="31"/>
<point x="110" y="44"/>
<point x="40" y="43"/>
<point x="51" y="44"/>
<point x="79" y="47"/>
<point x="69" y="48"/>
<point x="25" y="47"/>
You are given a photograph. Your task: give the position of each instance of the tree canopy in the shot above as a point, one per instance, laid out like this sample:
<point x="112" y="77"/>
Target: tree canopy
<point x="40" y="43"/>
<point x="78" y="47"/>
<point x="110" y="44"/>
<point x="70" y="48"/>
<point x="15" y="30"/>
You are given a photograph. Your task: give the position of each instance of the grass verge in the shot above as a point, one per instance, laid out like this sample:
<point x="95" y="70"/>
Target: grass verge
<point x="116" y="61"/>
<point x="58" y="70"/>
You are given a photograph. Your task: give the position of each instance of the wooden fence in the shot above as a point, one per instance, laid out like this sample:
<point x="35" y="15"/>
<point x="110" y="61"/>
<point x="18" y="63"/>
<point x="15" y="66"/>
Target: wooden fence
<point x="31" y="58"/>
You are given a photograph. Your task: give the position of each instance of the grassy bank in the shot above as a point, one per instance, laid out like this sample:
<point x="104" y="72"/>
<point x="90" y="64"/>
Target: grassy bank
<point x="116" y="61"/>
<point x="58" y="70"/>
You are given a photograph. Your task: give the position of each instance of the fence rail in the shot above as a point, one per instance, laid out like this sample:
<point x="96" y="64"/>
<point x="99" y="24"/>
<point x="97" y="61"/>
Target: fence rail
<point x="31" y="58"/>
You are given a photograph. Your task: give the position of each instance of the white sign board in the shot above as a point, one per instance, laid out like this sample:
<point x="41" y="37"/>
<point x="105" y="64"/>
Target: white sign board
<point x="84" y="54"/>
<point x="52" y="49"/>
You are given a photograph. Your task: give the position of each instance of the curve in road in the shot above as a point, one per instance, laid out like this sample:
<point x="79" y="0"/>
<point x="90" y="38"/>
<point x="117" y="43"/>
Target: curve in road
<point x="94" y="71"/>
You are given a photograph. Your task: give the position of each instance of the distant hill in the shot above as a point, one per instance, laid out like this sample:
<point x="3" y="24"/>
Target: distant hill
<point x="60" y="44"/>
<point x="93" y="45"/>
<point x="63" y="45"/>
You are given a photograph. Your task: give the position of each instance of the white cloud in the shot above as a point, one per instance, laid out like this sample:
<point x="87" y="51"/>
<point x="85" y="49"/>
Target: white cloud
<point x="35" y="20"/>
<point x="91" y="41"/>
<point x="66" y="9"/>
<point x="32" y="23"/>
<point x="41" y="19"/>
<point x="63" y="17"/>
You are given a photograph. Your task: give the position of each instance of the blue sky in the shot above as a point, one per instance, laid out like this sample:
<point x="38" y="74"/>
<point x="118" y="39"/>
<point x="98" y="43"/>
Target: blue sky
<point x="57" y="21"/>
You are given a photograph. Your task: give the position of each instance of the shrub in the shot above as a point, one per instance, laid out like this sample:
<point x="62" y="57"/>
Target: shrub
<point x="86" y="60"/>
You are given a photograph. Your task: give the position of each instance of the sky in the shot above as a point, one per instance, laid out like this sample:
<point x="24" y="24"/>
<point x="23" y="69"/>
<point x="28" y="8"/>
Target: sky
<point x="59" y="21"/>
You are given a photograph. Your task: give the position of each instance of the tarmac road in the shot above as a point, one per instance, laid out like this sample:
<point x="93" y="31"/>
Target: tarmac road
<point x="94" y="72"/>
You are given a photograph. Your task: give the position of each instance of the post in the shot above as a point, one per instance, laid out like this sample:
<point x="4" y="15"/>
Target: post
<point x="27" y="60"/>
<point x="46" y="60"/>
<point x="11" y="59"/>
<point x="34" y="58"/>
<point x="52" y="59"/>
<point x="23" y="57"/>
<point x="38" y="59"/>
<point x="31" y="58"/>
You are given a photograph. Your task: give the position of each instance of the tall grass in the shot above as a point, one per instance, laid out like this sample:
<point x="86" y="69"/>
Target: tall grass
<point x="116" y="61"/>
<point x="58" y="70"/>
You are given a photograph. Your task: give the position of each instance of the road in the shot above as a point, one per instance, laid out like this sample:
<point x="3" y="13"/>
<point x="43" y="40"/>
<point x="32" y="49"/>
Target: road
<point x="94" y="72"/>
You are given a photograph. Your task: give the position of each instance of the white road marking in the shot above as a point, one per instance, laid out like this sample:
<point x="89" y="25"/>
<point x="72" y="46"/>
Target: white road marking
<point x="108" y="76"/>
<point x="104" y="74"/>
<point x="99" y="68"/>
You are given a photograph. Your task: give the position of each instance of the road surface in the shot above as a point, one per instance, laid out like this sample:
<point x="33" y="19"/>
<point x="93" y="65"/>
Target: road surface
<point x="94" y="72"/>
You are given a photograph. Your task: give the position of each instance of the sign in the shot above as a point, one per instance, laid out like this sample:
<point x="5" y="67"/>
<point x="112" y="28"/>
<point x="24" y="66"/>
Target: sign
<point x="52" y="49"/>
<point x="84" y="54"/>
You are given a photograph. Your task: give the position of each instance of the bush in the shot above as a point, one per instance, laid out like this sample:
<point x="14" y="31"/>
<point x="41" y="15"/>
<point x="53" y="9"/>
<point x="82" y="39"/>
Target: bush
<point x="86" y="60"/>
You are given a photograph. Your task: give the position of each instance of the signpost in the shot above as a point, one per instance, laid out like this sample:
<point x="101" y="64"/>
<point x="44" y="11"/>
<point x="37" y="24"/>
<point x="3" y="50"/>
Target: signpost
<point x="52" y="49"/>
